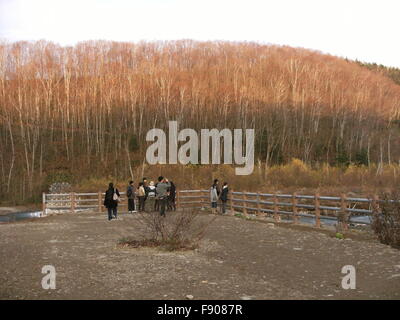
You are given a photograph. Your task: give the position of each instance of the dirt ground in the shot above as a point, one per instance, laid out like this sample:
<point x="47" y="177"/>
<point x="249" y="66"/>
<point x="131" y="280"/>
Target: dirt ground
<point x="237" y="259"/>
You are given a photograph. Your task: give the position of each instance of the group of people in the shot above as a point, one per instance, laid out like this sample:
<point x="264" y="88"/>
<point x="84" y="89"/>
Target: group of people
<point x="150" y="196"/>
<point x="158" y="196"/>
<point x="219" y="194"/>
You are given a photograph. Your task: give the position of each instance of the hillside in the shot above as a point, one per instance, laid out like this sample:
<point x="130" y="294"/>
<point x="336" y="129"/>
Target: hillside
<point x="390" y="72"/>
<point x="80" y="112"/>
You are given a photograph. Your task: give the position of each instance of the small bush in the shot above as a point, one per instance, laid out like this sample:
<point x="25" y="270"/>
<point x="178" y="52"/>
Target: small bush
<point x="386" y="224"/>
<point x="180" y="230"/>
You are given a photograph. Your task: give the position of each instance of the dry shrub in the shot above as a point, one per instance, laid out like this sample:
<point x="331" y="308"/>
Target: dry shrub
<point x="180" y="230"/>
<point x="94" y="184"/>
<point x="295" y="173"/>
<point x="386" y="224"/>
<point x="294" y="176"/>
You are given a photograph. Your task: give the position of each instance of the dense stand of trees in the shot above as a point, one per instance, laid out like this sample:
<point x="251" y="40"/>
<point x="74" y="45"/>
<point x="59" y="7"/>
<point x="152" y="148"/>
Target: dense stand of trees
<point x="84" y="110"/>
<point x="390" y="72"/>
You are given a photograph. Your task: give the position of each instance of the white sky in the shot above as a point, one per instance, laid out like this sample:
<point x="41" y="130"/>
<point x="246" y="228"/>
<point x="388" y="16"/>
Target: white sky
<point x="367" y="30"/>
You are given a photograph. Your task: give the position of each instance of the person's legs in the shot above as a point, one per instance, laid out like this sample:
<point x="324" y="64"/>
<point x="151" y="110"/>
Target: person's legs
<point x="131" y="205"/>
<point x="213" y="207"/>
<point x="109" y="213"/>
<point x="151" y="204"/>
<point x="141" y="203"/>
<point x="115" y="212"/>
<point x="223" y="207"/>
<point x="162" y="206"/>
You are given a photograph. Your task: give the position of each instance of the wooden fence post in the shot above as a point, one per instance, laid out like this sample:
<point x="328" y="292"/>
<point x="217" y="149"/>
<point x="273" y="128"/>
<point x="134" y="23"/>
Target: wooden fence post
<point x="73" y="202"/>
<point x="244" y="203"/>
<point x="276" y="218"/>
<point x="317" y="211"/>
<point x="231" y="203"/>
<point x="375" y="205"/>
<point x="258" y="204"/>
<point x="178" y="199"/>
<point x="99" y="201"/>
<point x="294" y="202"/>
<point x="44" y="203"/>
<point x="342" y="218"/>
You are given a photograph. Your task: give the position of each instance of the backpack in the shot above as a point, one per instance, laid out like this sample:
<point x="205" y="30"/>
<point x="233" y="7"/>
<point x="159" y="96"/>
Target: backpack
<point x="129" y="192"/>
<point x="152" y="192"/>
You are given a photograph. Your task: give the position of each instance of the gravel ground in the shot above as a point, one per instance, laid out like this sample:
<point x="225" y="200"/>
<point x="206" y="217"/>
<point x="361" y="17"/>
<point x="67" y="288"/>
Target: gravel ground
<point x="237" y="259"/>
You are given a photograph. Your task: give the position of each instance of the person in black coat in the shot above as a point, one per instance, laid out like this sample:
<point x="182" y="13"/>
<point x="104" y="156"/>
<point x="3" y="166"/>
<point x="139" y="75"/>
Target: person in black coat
<point x="130" y="194"/>
<point x="224" y="196"/>
<point x="146" y="188"/>
<point x="110" y="203"/>
<point x="171" y="197"/>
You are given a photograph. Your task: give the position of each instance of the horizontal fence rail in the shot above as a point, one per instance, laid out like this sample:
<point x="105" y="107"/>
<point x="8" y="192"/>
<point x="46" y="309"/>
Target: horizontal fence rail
<point x="343" y="209"/>
<point x="77" y="201"/>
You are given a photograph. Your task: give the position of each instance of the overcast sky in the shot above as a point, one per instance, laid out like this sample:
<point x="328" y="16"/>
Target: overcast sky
<point x="368" y="30"/>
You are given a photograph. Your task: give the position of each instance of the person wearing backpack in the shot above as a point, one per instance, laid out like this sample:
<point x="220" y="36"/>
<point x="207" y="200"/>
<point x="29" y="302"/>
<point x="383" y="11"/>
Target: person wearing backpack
<point x="141" y="196"/>
<point x="151" y="197"/>
<point x="111" y="199"/>
<point x="130" y="193"/>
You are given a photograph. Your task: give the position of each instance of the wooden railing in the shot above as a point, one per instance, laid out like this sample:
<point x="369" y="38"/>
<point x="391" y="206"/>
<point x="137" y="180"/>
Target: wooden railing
<point x="77" y="201"/>
<point x="340" y="208"/>
<point x="294" y="206"/>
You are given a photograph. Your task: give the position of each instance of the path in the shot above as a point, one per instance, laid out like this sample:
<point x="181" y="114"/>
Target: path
<point x="237" y="259"/>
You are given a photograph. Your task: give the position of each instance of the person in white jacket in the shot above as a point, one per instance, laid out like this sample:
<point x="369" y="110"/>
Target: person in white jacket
<point x="214" y="196"/>
<point x="141" y="194"/>
<point x="151" y="197"/>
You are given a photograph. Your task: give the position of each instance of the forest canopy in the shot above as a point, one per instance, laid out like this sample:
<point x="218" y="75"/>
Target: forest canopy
<point x="85" y="110"/>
